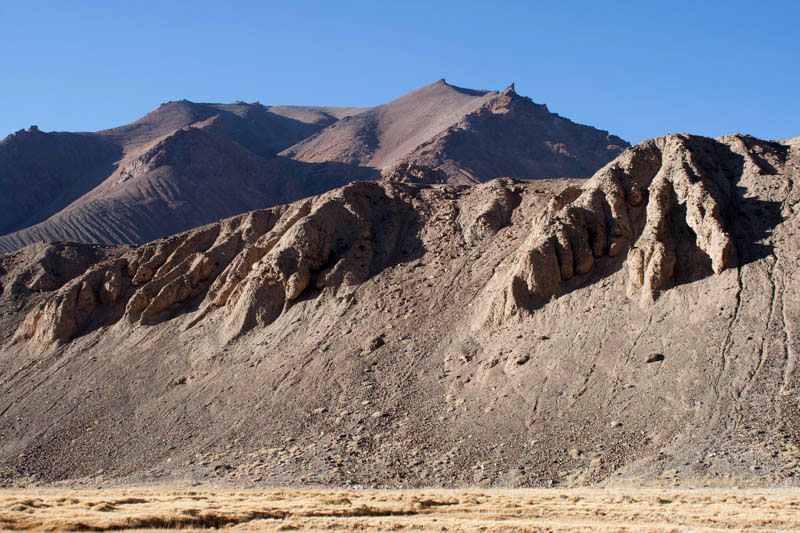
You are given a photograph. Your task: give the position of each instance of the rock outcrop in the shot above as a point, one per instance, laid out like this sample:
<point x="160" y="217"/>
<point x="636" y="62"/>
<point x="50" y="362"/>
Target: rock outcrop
<point x="660" y="200"/>
<point x="253" y="266"/>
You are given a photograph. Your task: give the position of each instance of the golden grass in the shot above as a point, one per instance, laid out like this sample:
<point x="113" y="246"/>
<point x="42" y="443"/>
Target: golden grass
<point x="617" y="509"/>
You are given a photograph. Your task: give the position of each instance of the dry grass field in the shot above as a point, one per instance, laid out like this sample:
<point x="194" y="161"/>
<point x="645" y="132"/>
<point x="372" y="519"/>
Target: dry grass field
<point x="620" y="509"/>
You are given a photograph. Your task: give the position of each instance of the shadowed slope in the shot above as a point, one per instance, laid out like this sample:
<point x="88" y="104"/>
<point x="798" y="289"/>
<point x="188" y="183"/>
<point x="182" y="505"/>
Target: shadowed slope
<point x="470" y="136"/>
<point x="186" y="179"/>
<point x="41" y="173"/>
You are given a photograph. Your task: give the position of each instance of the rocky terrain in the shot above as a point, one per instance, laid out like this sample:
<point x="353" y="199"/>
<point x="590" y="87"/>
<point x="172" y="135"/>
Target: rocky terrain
<point x="188" y="164"/>
<point x="637" y="325"/>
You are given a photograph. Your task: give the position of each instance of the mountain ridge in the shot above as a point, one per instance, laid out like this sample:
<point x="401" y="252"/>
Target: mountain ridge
<point x="284" y="153"/>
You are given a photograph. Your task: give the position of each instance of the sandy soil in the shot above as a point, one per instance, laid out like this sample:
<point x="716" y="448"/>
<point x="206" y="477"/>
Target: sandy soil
<point x="620" y="509"/>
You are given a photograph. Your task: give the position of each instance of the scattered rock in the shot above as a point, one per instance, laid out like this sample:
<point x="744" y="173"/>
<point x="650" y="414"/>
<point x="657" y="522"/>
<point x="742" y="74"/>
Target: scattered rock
<point x="374" y="344"/>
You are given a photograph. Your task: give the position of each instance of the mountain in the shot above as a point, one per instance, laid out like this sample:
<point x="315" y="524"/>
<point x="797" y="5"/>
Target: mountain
<point x="637" y="325"/>
<point x="470" y="136"/>
<point x="182" y="180"/>
<point x="187" y="164"/>
<point x="262" y="130"/>
<point x="181" y="166"/>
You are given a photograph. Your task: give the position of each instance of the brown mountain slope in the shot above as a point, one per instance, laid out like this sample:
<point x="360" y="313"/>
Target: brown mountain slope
<point x="180" y="181"/>
<point x="471" y="136"/>
<point x="160" y="175"/>
<point x="65" y="175"/>
<point x="639" y="324"/>
<point x="262" y="130"/>
<point x="512" y="136"/>
<point x="384" y="134"/>
<point x="40" y="173"/>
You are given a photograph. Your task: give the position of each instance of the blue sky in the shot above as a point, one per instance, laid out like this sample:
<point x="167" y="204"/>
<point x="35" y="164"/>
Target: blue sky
<point x="636" y="68"/>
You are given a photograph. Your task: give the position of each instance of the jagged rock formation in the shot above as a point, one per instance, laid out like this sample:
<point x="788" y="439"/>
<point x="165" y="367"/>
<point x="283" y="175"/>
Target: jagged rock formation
<point x="413" y="173"/>
<point x="252" y="265"/>
<point x="637" y="325"/>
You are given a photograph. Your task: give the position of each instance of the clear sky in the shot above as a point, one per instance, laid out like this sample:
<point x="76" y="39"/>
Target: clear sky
<point x="636" y="68"/>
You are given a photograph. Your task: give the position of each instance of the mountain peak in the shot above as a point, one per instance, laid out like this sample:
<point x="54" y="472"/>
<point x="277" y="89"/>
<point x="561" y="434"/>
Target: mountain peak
<point x="441" y="132"/>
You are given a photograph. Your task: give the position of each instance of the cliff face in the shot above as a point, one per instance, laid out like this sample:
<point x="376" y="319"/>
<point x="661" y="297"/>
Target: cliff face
<point x="638" y="324"/>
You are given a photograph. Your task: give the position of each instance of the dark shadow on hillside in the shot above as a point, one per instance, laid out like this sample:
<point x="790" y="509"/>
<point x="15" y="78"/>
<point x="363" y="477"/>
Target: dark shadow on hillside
<point x="395" y="238"/>
<point x="42" y="173"/>
<point x="298" y="179"/>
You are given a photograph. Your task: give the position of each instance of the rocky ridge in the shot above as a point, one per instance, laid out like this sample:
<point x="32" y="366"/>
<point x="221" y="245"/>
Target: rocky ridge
<point x="636" y="325"/>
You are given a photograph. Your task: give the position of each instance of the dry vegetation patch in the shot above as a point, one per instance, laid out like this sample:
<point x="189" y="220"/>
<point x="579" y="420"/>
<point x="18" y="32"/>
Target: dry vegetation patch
<point x="639" y="510"/>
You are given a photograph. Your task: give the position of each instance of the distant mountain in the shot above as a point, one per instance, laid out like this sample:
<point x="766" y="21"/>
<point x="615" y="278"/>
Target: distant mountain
<point x="194" y="175"/>
<point x="187" y="164"/>
<point x="472" y="136"/>
<point x="262" y="130"/>
<point x="40" y="173"/>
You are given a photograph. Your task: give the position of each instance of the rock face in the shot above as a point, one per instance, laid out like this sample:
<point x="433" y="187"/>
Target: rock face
<point x="637" y="325"/>
<point x="188" y="164"/>
<point x="665" y="198"/>
<point x="252" y="265"/>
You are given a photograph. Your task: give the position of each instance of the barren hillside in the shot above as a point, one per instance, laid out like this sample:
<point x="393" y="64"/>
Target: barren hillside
<point x="640" y="324"/>
<point x="183" y="180"/>
<point x="186" y="164"/>
<point x="41" y="172"/>
<point x="159" y="175"/>
<point x="470" y="136"/>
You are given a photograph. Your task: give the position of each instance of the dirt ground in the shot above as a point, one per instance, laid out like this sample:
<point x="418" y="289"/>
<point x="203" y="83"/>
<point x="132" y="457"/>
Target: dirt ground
<point x="610" y="509"/>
